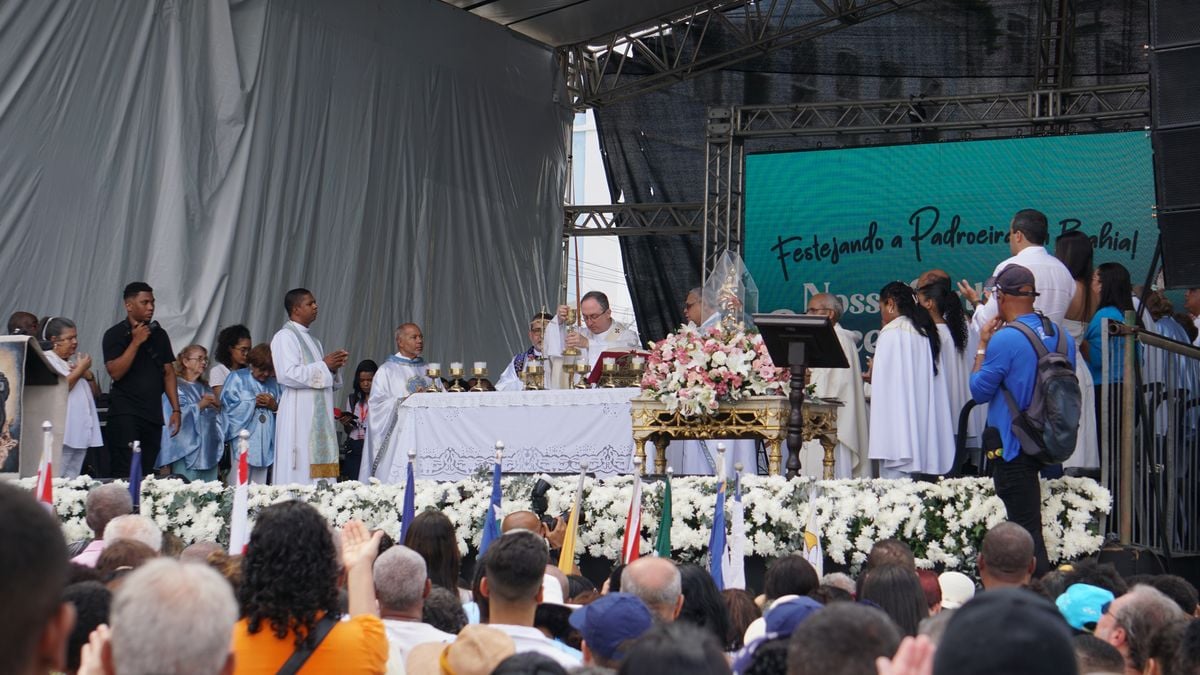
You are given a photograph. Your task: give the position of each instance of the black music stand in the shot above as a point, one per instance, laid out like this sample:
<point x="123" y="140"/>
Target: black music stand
<point x="799" y="341"/>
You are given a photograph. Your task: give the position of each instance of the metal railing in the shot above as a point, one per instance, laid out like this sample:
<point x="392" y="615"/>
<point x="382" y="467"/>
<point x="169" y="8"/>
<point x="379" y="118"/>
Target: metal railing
<point x="1150" y="436"/>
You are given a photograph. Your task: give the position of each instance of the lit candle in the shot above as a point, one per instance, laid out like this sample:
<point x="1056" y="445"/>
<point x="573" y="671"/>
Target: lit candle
<point x="610" y="362"/>
<point x="638" y="362"/>
<point x="480" y="365"/>
<point x="456" y="365"/>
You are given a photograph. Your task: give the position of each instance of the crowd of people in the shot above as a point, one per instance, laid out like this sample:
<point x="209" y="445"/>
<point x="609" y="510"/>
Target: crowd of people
<point x="306" y="597"/>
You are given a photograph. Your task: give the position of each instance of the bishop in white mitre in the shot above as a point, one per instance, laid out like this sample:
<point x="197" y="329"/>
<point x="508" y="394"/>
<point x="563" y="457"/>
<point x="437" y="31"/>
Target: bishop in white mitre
<point x="401" y="376"/>
<point x="845" y="385"/>
<point x="306" y="448"/>
<point x="598" y="334"/>
<point x="510" y="379"/>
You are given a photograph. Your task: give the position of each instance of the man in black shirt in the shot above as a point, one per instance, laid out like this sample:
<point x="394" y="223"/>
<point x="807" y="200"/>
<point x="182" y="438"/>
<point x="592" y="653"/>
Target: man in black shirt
<point x="139" y="358"/>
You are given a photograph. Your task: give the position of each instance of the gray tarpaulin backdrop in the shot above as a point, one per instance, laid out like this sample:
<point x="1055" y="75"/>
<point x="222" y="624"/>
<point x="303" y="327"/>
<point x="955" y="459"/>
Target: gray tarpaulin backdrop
<point x="404" y="160"/>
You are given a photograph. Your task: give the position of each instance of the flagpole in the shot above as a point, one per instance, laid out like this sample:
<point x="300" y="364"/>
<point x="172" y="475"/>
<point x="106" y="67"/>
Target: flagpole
<point x="716" y="539"/>
<point x="491" y="522"/>
<point x="408" y="513"/>
<point x="239" y="519"/>
<point x="735" y="557"/>
<point x="566" y="557"/>
<point x="632" y="542"/>
<point x="45" y="484"/>
<point x="135" y="474"/>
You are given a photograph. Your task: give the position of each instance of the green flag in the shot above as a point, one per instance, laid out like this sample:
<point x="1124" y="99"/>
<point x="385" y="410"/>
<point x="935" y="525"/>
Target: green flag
<point x="662" y="546"/>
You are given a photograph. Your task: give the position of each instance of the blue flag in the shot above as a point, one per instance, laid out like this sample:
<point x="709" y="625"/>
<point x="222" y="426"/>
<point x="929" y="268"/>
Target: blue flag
<point x="410" y="495"/>
<point x="135" y="475"/>
<point x="491" y="519"/>
<point x="716" y="540"/>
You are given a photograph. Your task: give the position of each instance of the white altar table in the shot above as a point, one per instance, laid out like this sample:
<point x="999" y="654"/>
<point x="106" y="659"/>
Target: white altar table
<point x="550" y="431"/>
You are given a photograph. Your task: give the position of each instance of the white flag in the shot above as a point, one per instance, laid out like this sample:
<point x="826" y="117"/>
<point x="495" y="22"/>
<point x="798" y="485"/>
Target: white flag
<point x="813" y="552"/>
<point x="735" y="553"/>
<point x="239" y="525"/>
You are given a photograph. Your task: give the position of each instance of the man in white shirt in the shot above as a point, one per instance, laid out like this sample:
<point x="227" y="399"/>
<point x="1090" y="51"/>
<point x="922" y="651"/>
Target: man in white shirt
<point x="401" y="585"/>
<point x="514" y="568"/>
<point x="600" y="333"/>
<point x="306" y="447"/>
<point x="1027" y="242"/>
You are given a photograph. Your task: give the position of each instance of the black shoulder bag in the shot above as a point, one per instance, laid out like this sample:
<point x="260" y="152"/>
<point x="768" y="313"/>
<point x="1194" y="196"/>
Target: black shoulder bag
<point x="300" y="656"/>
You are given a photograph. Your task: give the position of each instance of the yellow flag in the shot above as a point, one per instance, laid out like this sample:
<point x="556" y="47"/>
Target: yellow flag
<point x="566" y="557"/>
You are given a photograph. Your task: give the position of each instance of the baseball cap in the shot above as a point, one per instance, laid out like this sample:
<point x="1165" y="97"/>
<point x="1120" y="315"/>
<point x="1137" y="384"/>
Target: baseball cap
<point x="783" y="617"/>
<point x="610" y="620"/>
<point x="1006" y="631"/>
<point x="957" y="589"/>
<point x="1082" y="605"/>
<point x="1013" y="278"/>
<point x="477" y="650"/>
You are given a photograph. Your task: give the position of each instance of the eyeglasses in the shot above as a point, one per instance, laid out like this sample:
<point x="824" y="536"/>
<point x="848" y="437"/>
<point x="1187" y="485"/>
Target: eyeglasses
<point x="242" y="350"/>
<point x="689" y="305"/>
<point x="197" y="359"/>
<point x="818" y="310"/>
<point x="594" y="317"/>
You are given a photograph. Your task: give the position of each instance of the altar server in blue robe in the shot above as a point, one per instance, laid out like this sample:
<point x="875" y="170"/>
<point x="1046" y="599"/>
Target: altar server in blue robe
<point x="250" y="398"/>
<point x="194" y="452"/>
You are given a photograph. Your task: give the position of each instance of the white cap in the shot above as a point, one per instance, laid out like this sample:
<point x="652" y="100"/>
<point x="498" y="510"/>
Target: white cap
<point x="957" y="589"/>
<point x="551" y="590"/>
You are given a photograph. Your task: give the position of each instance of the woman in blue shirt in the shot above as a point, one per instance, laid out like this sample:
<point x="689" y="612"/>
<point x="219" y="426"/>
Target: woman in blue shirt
<point x="1112" y="295"/>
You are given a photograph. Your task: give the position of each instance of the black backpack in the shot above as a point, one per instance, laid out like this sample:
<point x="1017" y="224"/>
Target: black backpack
<point x="1048" y="428"/>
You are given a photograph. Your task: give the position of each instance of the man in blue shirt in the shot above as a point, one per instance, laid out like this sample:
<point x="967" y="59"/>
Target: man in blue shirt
<point x="1006" y="358"/>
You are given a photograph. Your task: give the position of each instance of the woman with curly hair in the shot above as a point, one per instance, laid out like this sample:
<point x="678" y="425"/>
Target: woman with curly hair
<point x="432" y="535"/>
<point x="233" y="345"/>
<point x="911" y="427"/>
<point x="289" y="596"/>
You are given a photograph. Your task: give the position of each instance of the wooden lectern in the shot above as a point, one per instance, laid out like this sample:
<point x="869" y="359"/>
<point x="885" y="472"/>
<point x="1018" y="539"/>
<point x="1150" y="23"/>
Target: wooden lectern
<point x="799" y="341"/>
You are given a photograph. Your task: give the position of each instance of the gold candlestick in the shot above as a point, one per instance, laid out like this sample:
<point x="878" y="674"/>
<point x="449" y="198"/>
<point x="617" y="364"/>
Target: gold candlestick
<point x="533" y="375"/>
<point x="581" y="371"/>
<point x="456" y="373"/>
<point x="479" y="372"/>
<point x="610" y="371"/>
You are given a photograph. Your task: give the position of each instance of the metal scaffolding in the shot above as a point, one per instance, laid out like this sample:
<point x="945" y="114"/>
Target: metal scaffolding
<point x="678" y="46"/>
<point x="632" y="219"/>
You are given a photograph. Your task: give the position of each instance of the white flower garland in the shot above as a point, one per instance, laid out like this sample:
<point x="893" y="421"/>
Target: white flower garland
<point x="944" y="522"/>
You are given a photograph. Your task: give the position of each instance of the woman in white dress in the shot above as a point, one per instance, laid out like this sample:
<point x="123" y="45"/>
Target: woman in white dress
<point x="1074" y="249"/>
<point x="911" y="430"/>
<point x="955" y="361"/>
<point x="82" y="428"/>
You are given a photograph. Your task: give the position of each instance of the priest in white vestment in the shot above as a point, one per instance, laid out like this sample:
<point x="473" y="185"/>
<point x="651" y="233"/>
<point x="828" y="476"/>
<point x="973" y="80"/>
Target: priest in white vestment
<point x="510" y="379"/>
<point x="306" y="448"/>
<point x="910" y="430"/>
<point x="845" y="385"/>
<point x="401" y="376"/>
<point x="599" y="334"/>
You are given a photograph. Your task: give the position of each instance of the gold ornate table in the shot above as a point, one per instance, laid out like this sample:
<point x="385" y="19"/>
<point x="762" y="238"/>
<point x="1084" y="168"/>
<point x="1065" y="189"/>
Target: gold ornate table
<point x="759" y="417"/>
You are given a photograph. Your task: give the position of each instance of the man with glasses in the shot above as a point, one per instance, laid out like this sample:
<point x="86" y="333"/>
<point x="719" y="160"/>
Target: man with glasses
<point x="699" y="313"/>
<point x="510" y="379"/>
<point x="139" y="358"/>
<point x="1131" y="621"/>
<point x="599" y="332"/>
<point x="845" y="385"/>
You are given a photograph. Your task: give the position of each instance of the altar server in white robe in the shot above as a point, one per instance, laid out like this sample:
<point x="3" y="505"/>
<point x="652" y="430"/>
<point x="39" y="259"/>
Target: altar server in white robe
<point x="401" y="376"/>
<point x="957" y="356"/>
<point x="306" y="448"/>
<point x="599" y="334"/>
<point x="510" y="379"/>
<point x="910" y="430"/>
<point x="845" y="385"/>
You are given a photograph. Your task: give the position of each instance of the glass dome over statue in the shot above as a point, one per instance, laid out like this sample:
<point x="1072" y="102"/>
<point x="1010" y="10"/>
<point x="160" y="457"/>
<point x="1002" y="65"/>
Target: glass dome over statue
<point x="730" y="295"/>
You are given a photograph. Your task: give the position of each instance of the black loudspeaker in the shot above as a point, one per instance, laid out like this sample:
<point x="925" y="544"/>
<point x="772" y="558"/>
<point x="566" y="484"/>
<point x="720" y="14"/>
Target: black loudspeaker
<point x="1175" y="135"/>
<point x="1131" y="560"/>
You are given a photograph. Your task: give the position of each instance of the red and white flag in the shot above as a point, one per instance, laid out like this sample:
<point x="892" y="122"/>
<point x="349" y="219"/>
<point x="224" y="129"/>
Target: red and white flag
<point x="45" y="481"/>
<point x="239" y="521"/>
<point x="630" y="547"/>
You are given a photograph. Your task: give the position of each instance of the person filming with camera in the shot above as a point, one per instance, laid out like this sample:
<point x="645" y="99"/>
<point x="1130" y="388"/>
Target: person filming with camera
<point x="139" y="359"/>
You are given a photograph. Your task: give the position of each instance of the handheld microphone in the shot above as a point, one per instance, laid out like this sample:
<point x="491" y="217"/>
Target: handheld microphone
<point x="993" y="445"/>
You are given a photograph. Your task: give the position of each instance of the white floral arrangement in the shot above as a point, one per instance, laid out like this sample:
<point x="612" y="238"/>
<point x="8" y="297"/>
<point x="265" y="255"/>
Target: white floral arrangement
<point x="943" y="522"/>
<point x="694" y="371"/>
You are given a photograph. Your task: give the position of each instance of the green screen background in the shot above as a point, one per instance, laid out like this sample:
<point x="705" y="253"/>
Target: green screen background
<point x="884" y="201"/>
